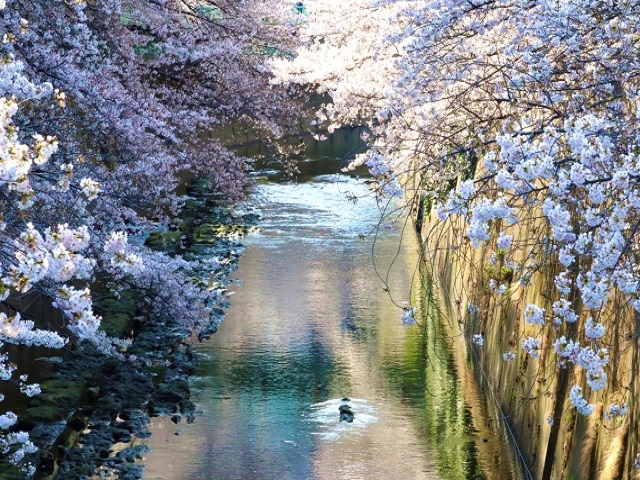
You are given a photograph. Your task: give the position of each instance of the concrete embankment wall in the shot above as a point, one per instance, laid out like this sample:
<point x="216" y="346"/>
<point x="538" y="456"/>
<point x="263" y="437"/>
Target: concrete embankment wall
<point x="532" y="391"/>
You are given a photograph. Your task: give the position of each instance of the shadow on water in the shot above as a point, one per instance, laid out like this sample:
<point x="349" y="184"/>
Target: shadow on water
<point x="326" y="157"/>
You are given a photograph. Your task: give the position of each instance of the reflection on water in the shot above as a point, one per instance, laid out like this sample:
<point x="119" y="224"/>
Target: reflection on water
<point x="312" y="324"/>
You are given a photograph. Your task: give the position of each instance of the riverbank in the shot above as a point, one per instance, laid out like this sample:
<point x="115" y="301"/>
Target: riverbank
<point x="94" y="410"/>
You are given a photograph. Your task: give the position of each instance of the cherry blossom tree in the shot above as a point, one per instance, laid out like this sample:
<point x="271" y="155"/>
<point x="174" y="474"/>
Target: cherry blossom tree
<point x="138" y="89"/>
<point x="517" y="122"/>
<point x="103" y="105"/>
<point x="28" y="256"/>
<point x="343" y="56"/>
<point x="544" y="99"/>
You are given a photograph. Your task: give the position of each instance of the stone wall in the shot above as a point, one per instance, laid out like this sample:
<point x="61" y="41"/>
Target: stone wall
<point x="530" y="391"/>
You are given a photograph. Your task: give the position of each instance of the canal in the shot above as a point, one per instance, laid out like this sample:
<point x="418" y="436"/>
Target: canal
<point x="316" y="318"/>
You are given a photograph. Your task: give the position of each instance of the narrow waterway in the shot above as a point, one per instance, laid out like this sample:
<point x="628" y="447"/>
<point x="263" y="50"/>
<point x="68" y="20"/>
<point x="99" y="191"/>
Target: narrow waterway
<point x="313" y="322"/>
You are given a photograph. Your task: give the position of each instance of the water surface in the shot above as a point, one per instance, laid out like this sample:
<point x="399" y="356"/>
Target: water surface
<point x="316" y="317"/>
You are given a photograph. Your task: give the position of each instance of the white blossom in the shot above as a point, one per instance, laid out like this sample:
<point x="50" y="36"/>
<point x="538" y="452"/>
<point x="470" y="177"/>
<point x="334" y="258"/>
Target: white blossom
<point x="532" y="346"/>
<point x="583" y="407"/>
<point x="534" y="315"/>
<point x="615" y="411"/>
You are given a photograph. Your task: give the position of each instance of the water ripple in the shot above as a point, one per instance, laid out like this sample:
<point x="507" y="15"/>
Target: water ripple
<point x="327" y="417"/>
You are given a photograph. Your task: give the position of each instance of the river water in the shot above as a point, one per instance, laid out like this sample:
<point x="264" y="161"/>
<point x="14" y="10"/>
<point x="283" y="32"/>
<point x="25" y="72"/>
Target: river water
<point x="316" y="317"/>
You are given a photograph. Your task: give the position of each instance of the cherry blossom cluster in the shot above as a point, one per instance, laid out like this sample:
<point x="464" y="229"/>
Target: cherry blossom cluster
<point x="532" y="346"/>
<point x="17" y="331"/>
<point x="121" y="260"/>
<point x="408" y="315"/>
<point x="55" y="256"/>
<point x="591" y="359"/>
<point x="578" y="401"/>
<point x="496" y="288"/>
<point x="15" y="445"/>
<point x="534" y="315"/>
<point x="509" y="356"/>
<point x="615" y="411"/>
